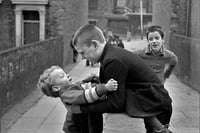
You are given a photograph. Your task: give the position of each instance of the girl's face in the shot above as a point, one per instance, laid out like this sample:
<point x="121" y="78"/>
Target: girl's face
<point x="60" y="79"/>
<point x="155" y="41"/>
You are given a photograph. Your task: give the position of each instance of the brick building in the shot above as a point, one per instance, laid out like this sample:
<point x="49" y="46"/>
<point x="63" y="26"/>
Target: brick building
<point x="23" y="21"/>
<point x="112" y="15"/>
<point x="107" y="14"/>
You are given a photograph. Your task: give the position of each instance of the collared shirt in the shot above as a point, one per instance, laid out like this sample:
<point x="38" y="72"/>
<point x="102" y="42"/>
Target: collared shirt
<point x="159" y="62"/>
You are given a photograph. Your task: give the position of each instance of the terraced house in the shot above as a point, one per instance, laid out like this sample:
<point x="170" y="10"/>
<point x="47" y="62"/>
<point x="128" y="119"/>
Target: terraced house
<point x="35" y="34"/>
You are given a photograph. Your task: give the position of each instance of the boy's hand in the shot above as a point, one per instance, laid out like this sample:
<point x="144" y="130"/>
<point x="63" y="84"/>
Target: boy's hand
<point x="86" y="85"/>
<point x="111" y="85"/>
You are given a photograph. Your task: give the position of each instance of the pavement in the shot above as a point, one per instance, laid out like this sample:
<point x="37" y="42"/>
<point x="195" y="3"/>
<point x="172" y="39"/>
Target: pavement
<point x="46" y="115"/>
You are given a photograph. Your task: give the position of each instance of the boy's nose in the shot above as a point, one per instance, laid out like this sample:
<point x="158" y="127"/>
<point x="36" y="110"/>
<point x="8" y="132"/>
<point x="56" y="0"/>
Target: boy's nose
<point x="83" y="57"/>
<point x="153" y="40"/>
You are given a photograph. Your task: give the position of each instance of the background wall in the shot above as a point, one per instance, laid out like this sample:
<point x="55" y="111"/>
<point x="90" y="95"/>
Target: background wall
<point x="20" y="69"/>
<point x="161" y="16"/>
<point x="76" y="14"/>
<point x="7" y="25"/>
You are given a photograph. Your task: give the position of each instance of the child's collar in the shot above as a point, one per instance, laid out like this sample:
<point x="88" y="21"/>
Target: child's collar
<point x="150" y="51"/>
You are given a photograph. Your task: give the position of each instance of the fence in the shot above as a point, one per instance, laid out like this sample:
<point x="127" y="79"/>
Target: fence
<point x="188" y="51"/>
<point x="20" y="68"/>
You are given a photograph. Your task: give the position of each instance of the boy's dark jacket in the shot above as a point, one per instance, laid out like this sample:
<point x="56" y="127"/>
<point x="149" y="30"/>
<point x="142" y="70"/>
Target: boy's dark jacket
<point x="140" y="93"/>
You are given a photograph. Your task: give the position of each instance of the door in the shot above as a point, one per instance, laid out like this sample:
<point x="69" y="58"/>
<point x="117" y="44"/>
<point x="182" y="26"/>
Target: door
<point x="31" y="26"/>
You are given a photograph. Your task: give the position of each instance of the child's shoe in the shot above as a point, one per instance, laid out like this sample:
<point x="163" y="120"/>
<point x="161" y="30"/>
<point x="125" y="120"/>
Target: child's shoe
<point x="164" y="130"/>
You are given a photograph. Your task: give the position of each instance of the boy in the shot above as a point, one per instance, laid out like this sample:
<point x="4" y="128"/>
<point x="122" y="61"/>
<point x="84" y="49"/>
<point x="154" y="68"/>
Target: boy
<point x="161" y="60"/>
<point x="54" y="82"/>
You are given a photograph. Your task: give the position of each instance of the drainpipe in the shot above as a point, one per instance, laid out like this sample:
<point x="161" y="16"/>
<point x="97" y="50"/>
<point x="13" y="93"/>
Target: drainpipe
<point x="187" y="18"/>
<point x="141" y="19"/>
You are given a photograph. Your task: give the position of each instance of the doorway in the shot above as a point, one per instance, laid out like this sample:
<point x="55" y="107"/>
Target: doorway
<point x="31" y="22"/>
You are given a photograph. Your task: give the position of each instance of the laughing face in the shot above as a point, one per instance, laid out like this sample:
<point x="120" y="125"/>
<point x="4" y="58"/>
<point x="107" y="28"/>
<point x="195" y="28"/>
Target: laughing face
<point x="155" y="41"/>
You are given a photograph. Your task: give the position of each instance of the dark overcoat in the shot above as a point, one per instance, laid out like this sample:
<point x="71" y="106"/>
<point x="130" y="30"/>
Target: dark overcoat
<point x="140" y="92"/>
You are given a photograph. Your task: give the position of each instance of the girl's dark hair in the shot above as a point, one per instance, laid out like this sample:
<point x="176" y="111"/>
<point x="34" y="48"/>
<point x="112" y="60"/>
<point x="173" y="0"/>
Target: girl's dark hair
<point x="153" y="29"/>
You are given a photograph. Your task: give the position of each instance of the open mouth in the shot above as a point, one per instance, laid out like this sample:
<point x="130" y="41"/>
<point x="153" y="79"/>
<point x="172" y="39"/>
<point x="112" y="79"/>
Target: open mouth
<point x="154" y="45"/>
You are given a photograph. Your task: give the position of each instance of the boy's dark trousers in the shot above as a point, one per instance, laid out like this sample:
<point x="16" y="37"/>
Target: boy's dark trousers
<point x="76" y="123"/>
<point x="95" y="122"/>
<point x="164" y="118"/>
<point x="83" y="123"/>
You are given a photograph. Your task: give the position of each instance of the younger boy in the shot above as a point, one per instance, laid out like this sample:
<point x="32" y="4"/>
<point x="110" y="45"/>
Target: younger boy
<point x="160" y="59"/>
<point x="54" y="82"/>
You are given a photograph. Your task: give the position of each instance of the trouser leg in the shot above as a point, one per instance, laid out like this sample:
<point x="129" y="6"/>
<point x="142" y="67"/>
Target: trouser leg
<point x="164" y="118"/>
<point x="95" y="122"/>
<point x="76" y="123"/>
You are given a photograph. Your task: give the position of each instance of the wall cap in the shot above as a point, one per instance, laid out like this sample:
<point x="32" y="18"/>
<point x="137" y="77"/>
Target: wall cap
<point x="35" y="2"/>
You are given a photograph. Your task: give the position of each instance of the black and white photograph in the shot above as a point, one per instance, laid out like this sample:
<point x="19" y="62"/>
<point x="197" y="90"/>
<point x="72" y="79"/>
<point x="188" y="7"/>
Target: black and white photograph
<point x="99" y="66"/>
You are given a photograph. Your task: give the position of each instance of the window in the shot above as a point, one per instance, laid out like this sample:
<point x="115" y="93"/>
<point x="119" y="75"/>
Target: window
<point x="121" y="3"/>
<point x="31" y="15"/>
<point x="94" y="22"/>
<point x="93" y="4"/>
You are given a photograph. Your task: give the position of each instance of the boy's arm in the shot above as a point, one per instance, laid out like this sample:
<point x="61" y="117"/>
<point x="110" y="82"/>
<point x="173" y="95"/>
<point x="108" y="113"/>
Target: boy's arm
<point x="116" y="99"/>
<point x="73" y="94"/>
<point x="172" y="64"/>
<point x="168" y="71"/>
<point x="76" y="94"/>
<point x="101" y="89"/>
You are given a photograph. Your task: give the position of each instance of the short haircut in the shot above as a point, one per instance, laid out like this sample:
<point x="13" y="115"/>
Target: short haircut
<point x="153" y="29"/>
<point x="45" y="82"/>
<point x="88" y="33"/>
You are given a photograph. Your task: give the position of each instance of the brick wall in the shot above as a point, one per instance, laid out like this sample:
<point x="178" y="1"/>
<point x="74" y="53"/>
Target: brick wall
<point x="104" y="7"/>
<point x="55" y="18"/>
<point x="20" y="69"/>
<point x="7" y="22"/>
<point x="195" y="19"/>
<point x="187" y="49"/>
<point x="181" y="16"/>
<point x="63" y="18"/>
<point x="76" y="14"/>
<point x="161" y="16"/>
<point x="185" y="21"/>
<point x="184" y="15"/>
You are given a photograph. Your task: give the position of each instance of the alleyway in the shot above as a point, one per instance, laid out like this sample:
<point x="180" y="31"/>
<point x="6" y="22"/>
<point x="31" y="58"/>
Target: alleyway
<point x="48" y="114"/>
